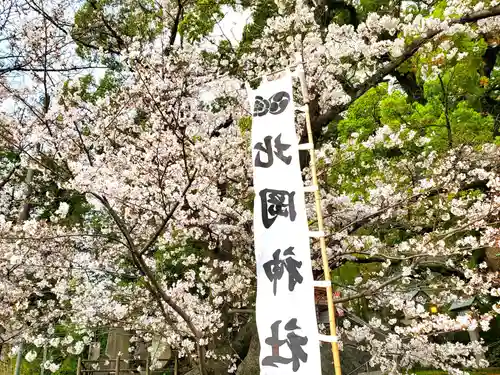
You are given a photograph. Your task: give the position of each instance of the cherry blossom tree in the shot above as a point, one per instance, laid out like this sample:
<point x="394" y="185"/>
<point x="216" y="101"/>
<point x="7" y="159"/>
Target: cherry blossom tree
<point x="129" y="203"/>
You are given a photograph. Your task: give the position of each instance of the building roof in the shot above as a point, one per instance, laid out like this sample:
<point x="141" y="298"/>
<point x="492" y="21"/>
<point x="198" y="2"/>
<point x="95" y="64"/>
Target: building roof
<point x="460" y="304"/>
<point x="415" y="292"/>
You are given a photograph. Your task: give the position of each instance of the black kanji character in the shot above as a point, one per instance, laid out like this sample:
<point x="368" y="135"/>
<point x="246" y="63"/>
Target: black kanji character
<point x="266" y="147"/>
<point x="276" y="203"/>
<point x="275" y="268"/>
<point x="294" y="343"/>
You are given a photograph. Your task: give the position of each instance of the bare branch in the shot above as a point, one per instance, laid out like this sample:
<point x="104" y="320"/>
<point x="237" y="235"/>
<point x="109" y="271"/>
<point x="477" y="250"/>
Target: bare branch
<point x="24" y="68"/>
<point x="168" y="217"/>
<point x="446" y="111"/>
<point x="8" y="177"/>
<point x="119" y="39"/>
<point x="368" y="292"/>
<point x="66" y="32"/>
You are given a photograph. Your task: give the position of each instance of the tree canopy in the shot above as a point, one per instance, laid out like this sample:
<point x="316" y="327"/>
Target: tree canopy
<point x="126" y="190"/>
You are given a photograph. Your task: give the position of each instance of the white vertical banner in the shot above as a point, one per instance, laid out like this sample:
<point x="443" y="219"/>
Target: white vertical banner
<point x="286" y="314"/>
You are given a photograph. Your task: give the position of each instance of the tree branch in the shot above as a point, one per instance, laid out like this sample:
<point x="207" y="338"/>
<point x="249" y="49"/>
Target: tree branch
<point x="23" y="68"/>
<point x="144" y="268"/>
<point x="318" y="122"/>
<point x="368" y="292"/>
<point x="168" y="217"/>
<point x="446" y="111"/>
<point x="119" y="39"/>
<point x="66" y="32"/>
<point x="8" y="177"/>
<point x="175" y="27"/>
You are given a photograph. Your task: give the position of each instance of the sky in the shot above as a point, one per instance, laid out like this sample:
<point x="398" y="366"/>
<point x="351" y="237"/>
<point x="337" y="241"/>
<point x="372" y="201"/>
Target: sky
<point x="232" y="24"/>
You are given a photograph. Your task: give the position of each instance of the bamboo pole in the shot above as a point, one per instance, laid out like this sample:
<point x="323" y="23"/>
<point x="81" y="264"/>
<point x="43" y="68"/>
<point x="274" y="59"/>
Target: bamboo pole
<point x="79" y="366"/>
<point x="44" y="359"/>
<point x="319" y="215"/>
<point x="17" y="370"/>
<point x="117" y="366"/>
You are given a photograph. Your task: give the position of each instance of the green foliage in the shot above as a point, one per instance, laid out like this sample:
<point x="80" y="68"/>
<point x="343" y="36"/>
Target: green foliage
<point x="201" y="20"/>
<point x="346" y="274"/>
<point x="88" y="89"/>
<point x="105" y="24"/>
<point x="454" y="98"/>
<point x="262" y="11"/>
<point x="364" y="114"/>
<point x="369" y="6"/>
<point x="170" y="266"/>
<point x="67" y="362"/>
<point x="67" y="365"/>
<point x="455" y="94"/>
<point x="245" y="125"/>
<point x="222" y="103"/>
<point x="470" y="126"/>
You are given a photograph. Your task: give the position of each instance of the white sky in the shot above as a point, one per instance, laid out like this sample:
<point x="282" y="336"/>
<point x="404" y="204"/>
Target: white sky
<point x="232" y="24"/>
